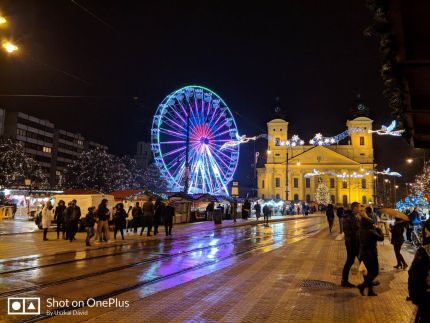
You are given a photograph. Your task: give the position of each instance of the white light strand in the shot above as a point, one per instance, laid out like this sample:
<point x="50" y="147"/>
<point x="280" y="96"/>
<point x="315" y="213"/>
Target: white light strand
<point x="386" y="172"/>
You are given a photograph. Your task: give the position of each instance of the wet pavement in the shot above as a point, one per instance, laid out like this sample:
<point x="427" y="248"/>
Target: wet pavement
<point x="140" y="266"/>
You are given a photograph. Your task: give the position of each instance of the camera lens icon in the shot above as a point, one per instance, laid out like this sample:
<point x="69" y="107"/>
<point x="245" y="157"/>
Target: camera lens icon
<point x="23" y="305"/>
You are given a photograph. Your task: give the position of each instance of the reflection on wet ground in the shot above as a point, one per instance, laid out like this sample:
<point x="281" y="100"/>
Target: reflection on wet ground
<point x="105" y="272"/>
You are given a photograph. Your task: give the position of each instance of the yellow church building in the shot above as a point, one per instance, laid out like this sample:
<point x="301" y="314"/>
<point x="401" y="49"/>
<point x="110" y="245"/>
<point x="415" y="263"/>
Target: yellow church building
<point x="343" y="168"/>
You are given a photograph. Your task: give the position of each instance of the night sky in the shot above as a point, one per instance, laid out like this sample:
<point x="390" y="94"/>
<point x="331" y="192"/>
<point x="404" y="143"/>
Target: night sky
<point x="127" y="55"/>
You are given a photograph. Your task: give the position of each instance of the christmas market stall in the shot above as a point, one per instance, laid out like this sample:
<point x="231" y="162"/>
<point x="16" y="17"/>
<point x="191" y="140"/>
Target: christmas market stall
<point x="182" y="204"/>
<point x="130" y="197"/>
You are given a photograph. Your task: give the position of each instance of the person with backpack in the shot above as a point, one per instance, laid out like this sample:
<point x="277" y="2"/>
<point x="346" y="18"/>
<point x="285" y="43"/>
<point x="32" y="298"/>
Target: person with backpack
<point x="90" y="221"/>
<point x="369" y="235"/>
<point x="46" y="219"/>
<point x="103" y="215"/>
<point x="136" y="213"/>
<point x="419" y="279"/>
<point x="158" y="213"/>
<point x="119" y="219"/>
<point x="59" y="218"/>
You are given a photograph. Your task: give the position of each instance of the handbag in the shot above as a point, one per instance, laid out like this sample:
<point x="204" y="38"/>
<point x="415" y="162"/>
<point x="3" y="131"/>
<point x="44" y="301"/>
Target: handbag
<point x="362" y="268"/>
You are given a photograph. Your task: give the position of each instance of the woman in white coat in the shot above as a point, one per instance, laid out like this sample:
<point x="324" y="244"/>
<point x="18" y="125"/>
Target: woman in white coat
<point x="47" y="216"/>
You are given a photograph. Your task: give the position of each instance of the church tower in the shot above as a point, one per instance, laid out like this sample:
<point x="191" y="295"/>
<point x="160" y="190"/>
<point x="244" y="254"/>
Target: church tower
<point x="361" y="141"/>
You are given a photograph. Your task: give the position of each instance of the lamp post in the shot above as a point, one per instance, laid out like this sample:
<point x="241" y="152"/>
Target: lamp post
<point x="27" y="182"/>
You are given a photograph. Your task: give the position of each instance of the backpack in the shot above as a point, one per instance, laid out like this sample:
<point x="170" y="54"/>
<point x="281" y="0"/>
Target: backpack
<point x="38" y="219"/>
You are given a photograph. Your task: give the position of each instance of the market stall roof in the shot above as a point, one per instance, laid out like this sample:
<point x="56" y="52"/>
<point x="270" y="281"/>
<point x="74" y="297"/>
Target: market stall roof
<point x="178" y="196"/>
<point x="81" y="192"/>
<point x="131" y="194"/>
<point x="204" y="198"/>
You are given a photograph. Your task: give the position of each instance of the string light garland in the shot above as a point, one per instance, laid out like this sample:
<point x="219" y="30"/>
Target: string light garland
<point x="417" y="200"/>
<point x="386" y="172"/>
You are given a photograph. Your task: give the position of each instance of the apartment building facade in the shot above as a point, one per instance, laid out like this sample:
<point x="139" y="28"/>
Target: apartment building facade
<point x="53" y="148"/>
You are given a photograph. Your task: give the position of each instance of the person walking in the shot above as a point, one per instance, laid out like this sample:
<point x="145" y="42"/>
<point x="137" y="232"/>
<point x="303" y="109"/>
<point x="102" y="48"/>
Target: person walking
<point x="419" y="279"/>
<point x="351" y="225"/>
<point x="59" y="218"/>
<point x="158" y="213"/>
<point x="103" y="215"/>
<point x="340" y="212"/>
<point x="257" y="208"/>
<point x="234" y="210"/>
<point x="210" y="211"/>
<point x="74" y="220"/>
<point x="46" y="219"/>
<point x="266" y="214"/>
<point x="330" y="216"/>
<point x="369" y="236"/>
<point x="136" y="213"/>
<point x="119" y="220"/>
<point x="246" y="208"/>
<point x="148" y="216"/>
<point x="397" y="241"/>
<point x="168" y="214"/>
<point x="90" y="221"/>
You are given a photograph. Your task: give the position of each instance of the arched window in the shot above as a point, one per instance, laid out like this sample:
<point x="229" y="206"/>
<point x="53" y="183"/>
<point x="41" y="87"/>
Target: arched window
<point x="296" y="197"/>
<point x="344" y="184"/>
<point x="333" y="199"/>
<point x="363" y="183"/>
<point x="308" y="198"/>
<point x="345" y="200"/>
<point x="277" y="196"/>
<point x="262" y="196"/>
<point x="364" y="199"/>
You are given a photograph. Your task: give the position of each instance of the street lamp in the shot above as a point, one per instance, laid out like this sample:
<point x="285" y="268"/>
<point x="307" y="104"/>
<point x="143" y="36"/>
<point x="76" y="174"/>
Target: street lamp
<point x="3" y="20"/>
<point x="9" y="47"/>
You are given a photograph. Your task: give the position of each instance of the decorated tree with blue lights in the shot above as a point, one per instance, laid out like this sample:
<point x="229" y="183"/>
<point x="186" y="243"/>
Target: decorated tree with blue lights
<point x="16" y="166"/>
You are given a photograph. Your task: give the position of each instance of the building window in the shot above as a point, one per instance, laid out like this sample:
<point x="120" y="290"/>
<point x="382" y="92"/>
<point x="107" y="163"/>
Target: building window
<point x="331" y="182"/>
<point x="295" y="182"/>
<point x="262" y="196"/>
<point x="363" y="183"/>
<point x="361" y="141"/>
<point x="345" y="201"/>
<point x="364" y="199"/>
<point x="296" y="197"/>
<point x="262" y="183"/>
<point x="277" y="142"/>
<point x="277" y="196"/>
<point x="308" y="182"/>
<point x="277" y="182"/>
<point x="80" y="142"/>
<point x="47" y="150"/>
<point x="308" y="198"/>
<point x="277" y="155"/>
<point x="20" y="132"/>
<point x="344" y="184"/>
<point x="333" y="199"/>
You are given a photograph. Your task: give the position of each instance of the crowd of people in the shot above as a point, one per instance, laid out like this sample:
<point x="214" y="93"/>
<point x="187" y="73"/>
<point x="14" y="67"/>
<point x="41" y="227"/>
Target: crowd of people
<point x="149" y="216"/>
<point x="361" y="234"/>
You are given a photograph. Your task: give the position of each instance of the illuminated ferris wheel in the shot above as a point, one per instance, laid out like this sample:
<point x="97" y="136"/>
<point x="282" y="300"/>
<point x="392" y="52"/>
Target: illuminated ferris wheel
<point x="189" y="128"/>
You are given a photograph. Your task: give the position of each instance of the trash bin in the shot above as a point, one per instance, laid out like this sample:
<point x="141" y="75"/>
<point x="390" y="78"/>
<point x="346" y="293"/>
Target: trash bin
<point x="217" y="215"/>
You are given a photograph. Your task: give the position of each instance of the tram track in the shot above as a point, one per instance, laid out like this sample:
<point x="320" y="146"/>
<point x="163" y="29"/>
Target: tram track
<point x="136" y="245"/>
<point x="148" y="282"/>
<point x="126" y="266"/>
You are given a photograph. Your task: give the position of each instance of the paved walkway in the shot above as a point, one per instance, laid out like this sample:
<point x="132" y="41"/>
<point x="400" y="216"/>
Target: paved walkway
<point x="22" y="238"/>
<point x="295" y="283"/>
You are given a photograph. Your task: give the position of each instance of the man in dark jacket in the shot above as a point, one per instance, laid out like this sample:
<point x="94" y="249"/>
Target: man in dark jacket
<point x="148" y="217"/>
<point x="59" y="218"/>
<point x="419" y="279"/>
<point x="369" y="236"/>
<point x="168" y="214"/>
<point x="158" y="213"/>
<point x="136" y="213"/>
<point x="90" y="220"/>
<point x="351" y="225"/>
